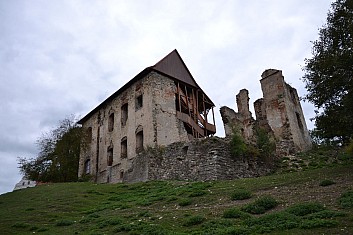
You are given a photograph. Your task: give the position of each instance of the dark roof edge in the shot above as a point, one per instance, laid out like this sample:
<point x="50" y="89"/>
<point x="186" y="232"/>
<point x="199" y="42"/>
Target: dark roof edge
<point x="138" y="77"/>
<point x="115" y="94"/>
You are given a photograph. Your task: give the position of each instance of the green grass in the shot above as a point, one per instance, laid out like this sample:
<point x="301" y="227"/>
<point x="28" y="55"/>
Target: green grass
<point x="260" y="205"/>
<point x="241" y="194"/>
<point x="176" y="207"/>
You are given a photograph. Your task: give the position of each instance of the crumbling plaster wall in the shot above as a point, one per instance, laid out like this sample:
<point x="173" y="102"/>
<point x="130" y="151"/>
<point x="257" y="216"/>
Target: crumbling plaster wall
<point x="157" y="117"/>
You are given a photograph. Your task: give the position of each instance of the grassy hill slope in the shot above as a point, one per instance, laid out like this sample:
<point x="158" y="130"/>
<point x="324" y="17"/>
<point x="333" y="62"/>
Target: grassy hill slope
<point x="316" y="201"/>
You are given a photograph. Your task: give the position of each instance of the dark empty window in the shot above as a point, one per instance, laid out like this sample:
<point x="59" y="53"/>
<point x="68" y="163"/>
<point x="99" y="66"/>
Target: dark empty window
<point x="87" y="166"/>
<point x="111" y="122"/>
<point x="121" y="174"/>
<point x="124" y="147"/>
<point x="124" y="114"/>
<point x="139" y="141"/>
<point x="110" y="156"/>
<point x="139" y="102"/>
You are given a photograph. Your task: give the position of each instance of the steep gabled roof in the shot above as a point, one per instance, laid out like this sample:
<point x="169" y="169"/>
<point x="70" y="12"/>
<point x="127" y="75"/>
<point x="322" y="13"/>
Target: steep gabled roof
<point x="171" y="65"/>
<point x="174" y="66"/>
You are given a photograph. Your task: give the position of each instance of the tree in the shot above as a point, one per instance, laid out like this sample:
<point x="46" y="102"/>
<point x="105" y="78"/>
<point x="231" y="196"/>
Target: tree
<point x="329" y="75"/>
<point x="59" y="153"/>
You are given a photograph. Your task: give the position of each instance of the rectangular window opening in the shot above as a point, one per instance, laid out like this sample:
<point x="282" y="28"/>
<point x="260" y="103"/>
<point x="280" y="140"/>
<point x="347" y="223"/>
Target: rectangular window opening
<point x="111" y="122"/>
<point x="124" y="148"/>
<point x="139" y="102"/>
<point x="110" y="156"/>
<point x="139" y="141"/>
<point x="124" y="114"/>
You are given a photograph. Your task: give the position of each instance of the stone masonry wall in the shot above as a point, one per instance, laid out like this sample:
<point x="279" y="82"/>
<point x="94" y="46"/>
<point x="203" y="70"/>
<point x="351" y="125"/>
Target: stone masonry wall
<point x="157" y="118"/>
<point x="198" y="160"/>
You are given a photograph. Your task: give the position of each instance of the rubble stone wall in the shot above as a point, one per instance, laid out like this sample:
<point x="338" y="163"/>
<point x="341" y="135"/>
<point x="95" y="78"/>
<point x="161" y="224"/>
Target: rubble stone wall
<point x="198" y="160"/>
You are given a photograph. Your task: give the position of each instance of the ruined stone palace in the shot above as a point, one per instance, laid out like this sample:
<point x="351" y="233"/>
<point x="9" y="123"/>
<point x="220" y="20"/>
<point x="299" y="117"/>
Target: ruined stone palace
<point x="153" y="128"/>
<point x="279" y="112"/>
<point x="161" y="105"/>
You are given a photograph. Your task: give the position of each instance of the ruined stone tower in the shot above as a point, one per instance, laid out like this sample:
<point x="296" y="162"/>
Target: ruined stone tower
<point x="283" y="112"/>
<point x="279" y="112"/>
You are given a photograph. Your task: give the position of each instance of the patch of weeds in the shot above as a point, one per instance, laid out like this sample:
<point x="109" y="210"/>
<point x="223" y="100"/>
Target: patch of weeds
<point x="34" y="228"/>
<point x="29" y="209"/>
<point x="236" y="231"/>
<point x="124" y="206"/>
<point x="197" y="193"/>
<point x="144" y="214"/>
<point x="346" y="199"/>
<point x="318" y="223"/>
<point x="20" y="225"/>
<point x="109" y="222"/>
<point x="64" y="223"/>
<point x="144" y="202"/>
<point x="194" y="220"/>
<point x="240" y="194"/>
<point x="114" y="198"/>
<point x="172" y="198"/>
<point x="326" y="182"/>
<point x="274" y="221"/>
<point x="325" y="214"/>
<point x="94" y="192"/>
<point x="185" y="202"/>
<point x="305" y="208"/>
<point x="261" y="205"/>
<point x="235" y="213"/>
<point x="123" y="228"/>
<point x="42" y="229"/>
<point x="94" y="215"/>
<point x="85" y="220"/>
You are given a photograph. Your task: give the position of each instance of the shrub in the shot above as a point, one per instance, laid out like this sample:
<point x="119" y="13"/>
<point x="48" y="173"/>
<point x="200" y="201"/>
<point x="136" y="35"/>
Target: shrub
<point x="241" y="194"/>
<point x="305" y="208"/>
<point x="264" y="143"/>
<point x="346" y="199"/>
<point x="197" y="193"/>
<point x="194" y="220"/>
<point x="325" y="214"/>
<point x="235" y="213"/>
<point x="237" y="145"/>
<point x="273" y="221"/>
<point x="325" y="183"/>
<point x="261" y="205"/>
<point x="64" y="223"/>
<point x="318" y="223"/>
<point x="349" y="148"/>
<point x="20" y="225"/>
<point x="185" y="202"/>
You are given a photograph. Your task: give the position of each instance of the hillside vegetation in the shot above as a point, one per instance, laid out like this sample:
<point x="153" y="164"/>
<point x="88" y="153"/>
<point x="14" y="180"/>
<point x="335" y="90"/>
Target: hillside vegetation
<point x="312" y="195"/>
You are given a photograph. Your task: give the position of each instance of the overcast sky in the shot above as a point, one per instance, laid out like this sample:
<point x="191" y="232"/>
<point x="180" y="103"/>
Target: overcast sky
<point x="65" y="57"/>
